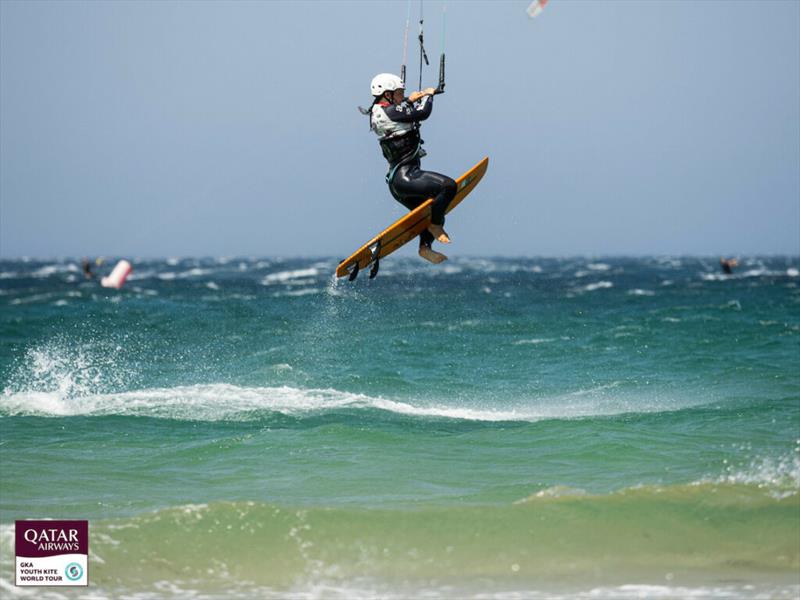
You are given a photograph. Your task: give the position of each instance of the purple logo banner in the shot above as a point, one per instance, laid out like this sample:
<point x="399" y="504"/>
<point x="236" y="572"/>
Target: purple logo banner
<point x="38" y="539"/>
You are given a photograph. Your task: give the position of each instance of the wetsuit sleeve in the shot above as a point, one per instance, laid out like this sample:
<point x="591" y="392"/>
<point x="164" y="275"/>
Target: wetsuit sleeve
<point x="408" y="112"/>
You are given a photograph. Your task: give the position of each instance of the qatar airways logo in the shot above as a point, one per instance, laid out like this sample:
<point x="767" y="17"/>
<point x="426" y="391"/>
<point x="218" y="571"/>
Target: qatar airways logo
<point x="52" y="553"/>
<point x="49" y="540"/>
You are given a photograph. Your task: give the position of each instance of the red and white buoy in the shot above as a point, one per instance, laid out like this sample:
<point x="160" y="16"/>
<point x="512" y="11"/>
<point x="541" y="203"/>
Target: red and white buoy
<point x="117" y="277"/>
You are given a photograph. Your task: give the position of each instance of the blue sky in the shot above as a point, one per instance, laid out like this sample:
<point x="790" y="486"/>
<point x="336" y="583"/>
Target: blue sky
<point x="209" y="129"/>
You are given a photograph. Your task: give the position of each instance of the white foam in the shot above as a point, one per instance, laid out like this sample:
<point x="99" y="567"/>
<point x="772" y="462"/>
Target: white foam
<point x="283" y="276"/>
<point x="31" y="299"/>
<point x="667" y="261"/>
<point x="451" y="269"/>
<point x="49" y="270"/>
<point x="195" y="272"/>
<point x="227" y="402"/>
<point x="779" y="474"/>
<point x="596" y="389"/>
<point x="534" y="341"/>
<point x="141" y="275"/>
<point x="325" y="582"/>
<point x="600" y="285"/>
<point x="641" y="292"/>
<point x="556" y="491"/>
<point x="463" y="324"/>
<point x="750" y="273"/>
<point x="217" y="402"/>
<point x="467" y="414"/>
<point x="298" y="293"/>
<point x="759" y="273"/>
<point x="598" y="267"/>
<point x="637" y="591"/>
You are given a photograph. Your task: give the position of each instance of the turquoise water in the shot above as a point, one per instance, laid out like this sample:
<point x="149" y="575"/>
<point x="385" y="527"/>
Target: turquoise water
<point x="491" y="427"/>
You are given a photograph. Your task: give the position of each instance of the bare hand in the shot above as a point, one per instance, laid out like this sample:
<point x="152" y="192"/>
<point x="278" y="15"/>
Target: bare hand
<point x="414" y="96"/>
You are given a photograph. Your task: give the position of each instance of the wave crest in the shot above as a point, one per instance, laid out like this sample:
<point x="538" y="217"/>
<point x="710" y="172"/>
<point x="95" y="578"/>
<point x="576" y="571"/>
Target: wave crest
<point x="215" y="402"/>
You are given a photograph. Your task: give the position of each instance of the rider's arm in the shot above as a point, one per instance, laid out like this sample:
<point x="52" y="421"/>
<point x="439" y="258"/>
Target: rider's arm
<point x="411" y="112"/>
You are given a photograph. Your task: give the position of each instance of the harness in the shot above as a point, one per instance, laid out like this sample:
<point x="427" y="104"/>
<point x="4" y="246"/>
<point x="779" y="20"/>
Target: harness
<point x="417" y="153"/>
<point x="399" y="148"/>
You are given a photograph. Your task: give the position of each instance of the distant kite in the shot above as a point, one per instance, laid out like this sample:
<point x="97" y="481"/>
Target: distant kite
<point x="536" y="7"/>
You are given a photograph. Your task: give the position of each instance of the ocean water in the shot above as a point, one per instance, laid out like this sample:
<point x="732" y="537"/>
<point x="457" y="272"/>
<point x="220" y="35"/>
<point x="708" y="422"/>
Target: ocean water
<point x="488" y="428"/>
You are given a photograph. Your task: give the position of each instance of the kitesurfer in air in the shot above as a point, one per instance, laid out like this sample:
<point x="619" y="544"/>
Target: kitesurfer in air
<point x="396" y="119"/>
<point x="728" y="264"/>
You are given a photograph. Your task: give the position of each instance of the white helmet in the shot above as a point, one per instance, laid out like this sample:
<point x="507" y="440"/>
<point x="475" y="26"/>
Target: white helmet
<point x="385" y="82"/>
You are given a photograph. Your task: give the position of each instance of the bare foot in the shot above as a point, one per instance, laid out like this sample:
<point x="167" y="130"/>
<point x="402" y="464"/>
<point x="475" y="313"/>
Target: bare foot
<point x="431" y="255"/>
<point x="439" y="233"/>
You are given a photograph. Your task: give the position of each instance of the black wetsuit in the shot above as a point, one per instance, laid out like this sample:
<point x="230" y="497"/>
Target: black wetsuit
<point x="398" y="126"/>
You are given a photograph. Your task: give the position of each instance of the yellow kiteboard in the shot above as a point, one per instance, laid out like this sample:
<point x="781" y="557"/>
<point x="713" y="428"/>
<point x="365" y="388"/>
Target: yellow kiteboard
<point x="406" y="229"/>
